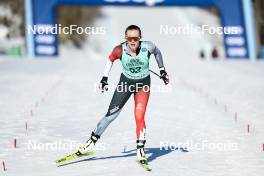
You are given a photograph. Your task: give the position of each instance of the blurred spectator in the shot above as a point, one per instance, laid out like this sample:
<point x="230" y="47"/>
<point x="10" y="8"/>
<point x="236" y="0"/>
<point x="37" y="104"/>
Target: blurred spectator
<point x="202" y="56"/>
<point x="215" y="54"/>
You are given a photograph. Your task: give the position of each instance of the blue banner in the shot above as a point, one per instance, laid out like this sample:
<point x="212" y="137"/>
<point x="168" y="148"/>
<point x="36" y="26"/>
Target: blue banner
<point x="231" y="13"/>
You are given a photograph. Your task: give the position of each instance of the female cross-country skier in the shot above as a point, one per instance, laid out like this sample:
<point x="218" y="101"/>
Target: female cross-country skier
<point x="135" y="79"/>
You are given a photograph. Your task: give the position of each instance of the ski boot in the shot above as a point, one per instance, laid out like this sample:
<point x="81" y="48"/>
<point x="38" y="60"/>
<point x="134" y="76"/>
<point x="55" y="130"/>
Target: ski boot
<point x="141" y="156"/>
<point x="89" y="145"/>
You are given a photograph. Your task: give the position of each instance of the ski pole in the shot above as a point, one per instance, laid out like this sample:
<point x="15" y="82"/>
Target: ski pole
<point x="154" y="73"/>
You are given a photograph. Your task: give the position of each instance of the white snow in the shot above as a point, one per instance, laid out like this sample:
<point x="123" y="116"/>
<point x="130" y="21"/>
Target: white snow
<point x="60" y="93"/>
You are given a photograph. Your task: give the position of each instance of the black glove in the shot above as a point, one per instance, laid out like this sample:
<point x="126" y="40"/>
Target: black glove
<point x="164" y="76"/>
<point x="103" y="84"/>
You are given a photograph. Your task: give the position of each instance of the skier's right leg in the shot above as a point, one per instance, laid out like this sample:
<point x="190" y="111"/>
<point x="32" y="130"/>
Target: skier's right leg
<point x="119" y="99"/>
<point x="89" y="144"/>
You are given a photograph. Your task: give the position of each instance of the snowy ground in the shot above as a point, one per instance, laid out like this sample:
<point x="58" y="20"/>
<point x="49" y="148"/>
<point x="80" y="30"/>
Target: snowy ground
<point x="56" y="98"/>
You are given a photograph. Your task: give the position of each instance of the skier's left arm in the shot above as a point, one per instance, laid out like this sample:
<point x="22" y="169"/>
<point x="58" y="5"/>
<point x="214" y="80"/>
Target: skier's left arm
<point x="153" y="49"/>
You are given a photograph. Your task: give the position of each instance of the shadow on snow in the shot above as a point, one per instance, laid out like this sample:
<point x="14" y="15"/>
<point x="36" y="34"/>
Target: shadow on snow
<point x="152" y="153"/>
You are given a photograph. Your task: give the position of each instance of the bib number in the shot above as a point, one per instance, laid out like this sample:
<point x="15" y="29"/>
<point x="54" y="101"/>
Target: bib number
<point x="135" y="70"/>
